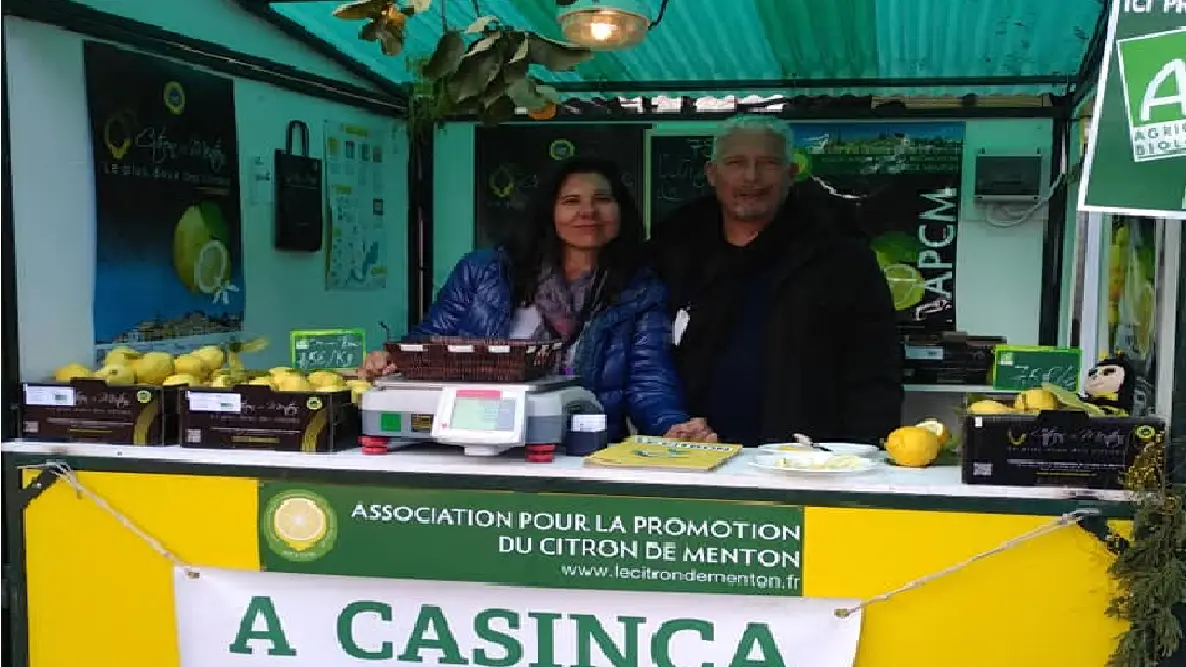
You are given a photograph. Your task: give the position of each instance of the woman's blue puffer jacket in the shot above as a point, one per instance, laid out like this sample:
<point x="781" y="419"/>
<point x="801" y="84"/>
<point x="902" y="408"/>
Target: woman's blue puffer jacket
<point x="624" y="356"/>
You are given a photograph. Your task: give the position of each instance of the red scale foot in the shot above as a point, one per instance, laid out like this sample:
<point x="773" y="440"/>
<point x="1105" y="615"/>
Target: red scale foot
<point x="374" y="444"/>
<point x="541" y="453"/>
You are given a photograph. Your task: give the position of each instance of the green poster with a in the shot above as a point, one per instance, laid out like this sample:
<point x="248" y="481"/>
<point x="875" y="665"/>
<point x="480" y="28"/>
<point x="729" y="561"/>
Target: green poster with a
<point x="547" y="540"/>
<point x="1136" y="160"/>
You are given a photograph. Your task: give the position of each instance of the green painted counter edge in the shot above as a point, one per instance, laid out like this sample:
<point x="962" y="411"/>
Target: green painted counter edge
<point x="809" y="498"/>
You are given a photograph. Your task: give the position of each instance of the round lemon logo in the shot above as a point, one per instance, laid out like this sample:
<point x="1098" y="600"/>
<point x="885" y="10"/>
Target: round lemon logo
<point x="299" y="525"/>
<point x="1145" y="432"/>
<point x="562" y="149"/>
<point x="117" y="135"/>
<point x="501" y="182"/>
<point x="144" y="396"/>
<point x="174" y="98"/>
<point x="314" y="403"/>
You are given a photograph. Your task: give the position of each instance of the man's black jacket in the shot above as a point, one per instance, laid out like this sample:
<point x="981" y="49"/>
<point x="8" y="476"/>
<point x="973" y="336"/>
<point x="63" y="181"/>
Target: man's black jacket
<point x="833" y="357"/>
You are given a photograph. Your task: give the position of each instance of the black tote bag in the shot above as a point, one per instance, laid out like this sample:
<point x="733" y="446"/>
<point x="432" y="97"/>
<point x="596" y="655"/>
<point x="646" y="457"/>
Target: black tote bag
<point x="299" y="212"/>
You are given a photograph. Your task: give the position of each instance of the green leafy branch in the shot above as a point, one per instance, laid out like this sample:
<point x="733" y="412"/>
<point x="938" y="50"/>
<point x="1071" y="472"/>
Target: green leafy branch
<point x="483" y="70"/>
<point x="1151" y="571"/>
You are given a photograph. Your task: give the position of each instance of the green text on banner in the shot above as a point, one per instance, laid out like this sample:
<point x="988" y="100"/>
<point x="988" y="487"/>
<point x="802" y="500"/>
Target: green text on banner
<point x="227" y="618"/>
<point x="1136" y="160"/>
<point x="533" y="539"/>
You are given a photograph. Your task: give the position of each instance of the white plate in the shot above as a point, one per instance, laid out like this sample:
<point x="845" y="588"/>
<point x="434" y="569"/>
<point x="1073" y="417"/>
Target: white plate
<point x="809" y="463"/>
<point x="850" y="448"/>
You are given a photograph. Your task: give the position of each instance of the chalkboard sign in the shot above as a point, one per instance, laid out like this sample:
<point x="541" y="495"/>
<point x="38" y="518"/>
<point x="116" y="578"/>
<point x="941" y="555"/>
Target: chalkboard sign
<point x="512" y="162"/>
<point x="1021" y="367"/>
<point x="328" y="349"/>
<point x="677" y="172"/>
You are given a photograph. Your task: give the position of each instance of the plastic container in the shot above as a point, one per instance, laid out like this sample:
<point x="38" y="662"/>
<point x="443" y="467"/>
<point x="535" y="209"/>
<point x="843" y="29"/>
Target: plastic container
<point x="587" y="433"/>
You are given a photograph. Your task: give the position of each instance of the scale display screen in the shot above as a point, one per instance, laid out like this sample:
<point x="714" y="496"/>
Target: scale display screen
<point x="477" y="410"/>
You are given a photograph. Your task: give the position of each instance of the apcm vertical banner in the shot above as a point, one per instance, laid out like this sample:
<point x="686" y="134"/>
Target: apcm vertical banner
<point x="903" y="180"/>
<point x="1136" y="156"/>
<point x="169" y="256"/>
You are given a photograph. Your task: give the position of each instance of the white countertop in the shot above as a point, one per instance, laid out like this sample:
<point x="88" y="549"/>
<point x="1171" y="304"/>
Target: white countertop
<point x="941" y="482"/>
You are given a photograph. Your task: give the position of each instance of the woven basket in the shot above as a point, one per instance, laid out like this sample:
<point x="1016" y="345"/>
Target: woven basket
<point x="467" y="360"/>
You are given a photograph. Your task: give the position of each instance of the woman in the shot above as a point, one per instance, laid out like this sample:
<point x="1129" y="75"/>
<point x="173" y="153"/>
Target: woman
<point x="573" y="272"/>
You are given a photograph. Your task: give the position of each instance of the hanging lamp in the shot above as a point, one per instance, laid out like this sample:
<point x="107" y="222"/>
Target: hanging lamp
<point x="604" y="25"/>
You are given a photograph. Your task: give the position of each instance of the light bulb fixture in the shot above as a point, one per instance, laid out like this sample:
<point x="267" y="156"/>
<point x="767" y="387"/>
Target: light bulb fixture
<point x="604" y="25"/>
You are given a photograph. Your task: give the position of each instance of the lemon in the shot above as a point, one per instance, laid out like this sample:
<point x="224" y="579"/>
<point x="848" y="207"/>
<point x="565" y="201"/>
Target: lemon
<point x="282" y="370"/>
<point x="906" y="285"/>
<point x="117" y="374"/>
<point x="71" y="371"/>
<point x="223" y="381"/>
<point x="299" y="521"/>
<point x="180" y="379"/>
<point x="153" y="367"/>
<point x="937" y="427"/>
<point x="987" y="407"/>
<point x="291" y="382"/>
<point x="263" y="381"/>
<point x="1035" y="400"/>
<point x="189" y="364"/>
<point x="120" y="355"/>
<point x="912" y="446"/>
<point x="324" y="378"/>
<point x="212" y="357"/>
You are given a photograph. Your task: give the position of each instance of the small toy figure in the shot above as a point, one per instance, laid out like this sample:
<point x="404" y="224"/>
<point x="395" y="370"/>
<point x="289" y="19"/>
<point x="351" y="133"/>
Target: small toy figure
<point x="1111" y="385"/>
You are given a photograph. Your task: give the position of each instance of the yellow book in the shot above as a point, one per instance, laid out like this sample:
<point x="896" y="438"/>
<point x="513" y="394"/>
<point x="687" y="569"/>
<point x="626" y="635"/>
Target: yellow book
<point x="640" y="451"/>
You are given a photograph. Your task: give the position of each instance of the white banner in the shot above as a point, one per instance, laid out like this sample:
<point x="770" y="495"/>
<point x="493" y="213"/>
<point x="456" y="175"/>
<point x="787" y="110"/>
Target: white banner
<point x="227" y="618"/>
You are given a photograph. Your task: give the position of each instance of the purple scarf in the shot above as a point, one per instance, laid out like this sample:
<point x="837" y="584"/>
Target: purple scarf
<point x="559" y="302"/>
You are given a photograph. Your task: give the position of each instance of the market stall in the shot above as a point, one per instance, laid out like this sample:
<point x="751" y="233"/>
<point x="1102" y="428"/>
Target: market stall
<point x="189" y="482"/>
<point x="902" y="549"/>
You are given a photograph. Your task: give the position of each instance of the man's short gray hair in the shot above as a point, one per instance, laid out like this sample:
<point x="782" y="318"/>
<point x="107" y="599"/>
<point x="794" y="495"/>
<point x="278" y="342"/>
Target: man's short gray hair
<point x="752" y="122"/>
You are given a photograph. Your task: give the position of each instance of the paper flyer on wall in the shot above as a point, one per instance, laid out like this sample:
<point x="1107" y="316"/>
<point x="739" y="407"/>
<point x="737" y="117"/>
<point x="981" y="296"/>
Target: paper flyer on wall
<point x="356" y="191"/>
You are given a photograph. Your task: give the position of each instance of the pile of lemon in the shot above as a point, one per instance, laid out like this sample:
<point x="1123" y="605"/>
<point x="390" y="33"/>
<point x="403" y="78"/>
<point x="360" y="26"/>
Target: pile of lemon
<point x="204" y="367"/>
<point x="124" y="365"/>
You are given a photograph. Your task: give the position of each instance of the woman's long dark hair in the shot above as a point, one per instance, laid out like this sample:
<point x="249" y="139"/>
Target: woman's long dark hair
<point x="535" y="244"/>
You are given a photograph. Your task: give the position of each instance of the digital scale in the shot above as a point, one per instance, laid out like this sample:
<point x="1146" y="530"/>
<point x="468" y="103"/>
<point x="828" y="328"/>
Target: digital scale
<point x="485" y="419"/>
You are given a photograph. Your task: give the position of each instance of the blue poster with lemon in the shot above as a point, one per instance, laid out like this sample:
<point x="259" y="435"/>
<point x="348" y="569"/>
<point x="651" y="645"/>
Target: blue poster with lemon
<point x="169" y="257"/>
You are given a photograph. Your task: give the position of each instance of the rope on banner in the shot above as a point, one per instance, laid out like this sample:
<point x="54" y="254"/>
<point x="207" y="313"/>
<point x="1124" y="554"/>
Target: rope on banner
<point x="1058" y="523"/>
<point x="67" y="475"/>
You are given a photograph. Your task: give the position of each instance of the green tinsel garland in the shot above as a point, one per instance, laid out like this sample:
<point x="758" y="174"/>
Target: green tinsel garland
<point x="1151" y="571"/>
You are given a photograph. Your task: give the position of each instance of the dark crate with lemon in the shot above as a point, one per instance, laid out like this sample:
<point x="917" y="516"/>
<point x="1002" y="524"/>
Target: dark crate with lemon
<point x="85" y="409"/>
<point x="1057" y="447"/>
<point x="261" y="416"/>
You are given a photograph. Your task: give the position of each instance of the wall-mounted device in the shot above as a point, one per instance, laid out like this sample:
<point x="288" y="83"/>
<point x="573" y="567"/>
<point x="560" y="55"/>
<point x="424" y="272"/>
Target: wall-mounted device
<point x="1004" y="178"/>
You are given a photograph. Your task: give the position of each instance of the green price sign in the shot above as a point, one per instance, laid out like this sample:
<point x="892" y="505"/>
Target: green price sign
<point x="328" y="349"/>
<point x="1022" y="367"/>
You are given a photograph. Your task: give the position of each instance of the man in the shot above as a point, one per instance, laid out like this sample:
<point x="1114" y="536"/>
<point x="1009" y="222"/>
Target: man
<point x="784" y="322"/>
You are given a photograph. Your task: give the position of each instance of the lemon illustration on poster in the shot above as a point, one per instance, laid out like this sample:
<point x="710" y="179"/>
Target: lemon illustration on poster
<point x="1134" y="288"/>
<point x="899" y="181"/>
<point x="355" y="157"/>
<point x="169" y="259"/>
